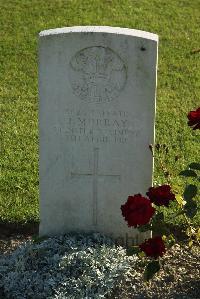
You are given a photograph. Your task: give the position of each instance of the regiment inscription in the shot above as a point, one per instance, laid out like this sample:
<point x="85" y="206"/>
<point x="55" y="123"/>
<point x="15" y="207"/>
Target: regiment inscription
<point x="97" y="74"/>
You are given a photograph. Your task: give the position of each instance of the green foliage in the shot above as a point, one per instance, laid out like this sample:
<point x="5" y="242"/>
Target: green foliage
<point x="190" y="192"/>
<point x="188" y="173"/>
<point x="195" y="166"/>
<point x="180" y="200"/>
<point x="151" y="269"/>
<point x="169" y="240"/>
<point x="132" y="250"/>
<point x="158" y="224"/>
<point x="190" y="208"/>
<point x="145" y="228"/>
<point x="193" y="234"/>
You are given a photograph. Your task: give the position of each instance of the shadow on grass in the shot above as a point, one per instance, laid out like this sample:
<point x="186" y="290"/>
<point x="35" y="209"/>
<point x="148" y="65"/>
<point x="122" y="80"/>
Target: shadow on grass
<point x="8" y="229"/>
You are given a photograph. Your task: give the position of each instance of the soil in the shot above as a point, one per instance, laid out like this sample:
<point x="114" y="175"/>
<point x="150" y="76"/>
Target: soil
<point x="12" y="235"/>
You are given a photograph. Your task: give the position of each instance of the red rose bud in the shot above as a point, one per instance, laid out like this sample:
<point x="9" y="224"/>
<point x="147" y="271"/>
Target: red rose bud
<point x="153" y="247"/>
<point x="160" y="195"/>
<point x="137" y="210"/>
<point x="194" y="119"/>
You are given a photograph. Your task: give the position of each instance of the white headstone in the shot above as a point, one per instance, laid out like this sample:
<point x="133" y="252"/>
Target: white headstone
<point x="97" y="106"/>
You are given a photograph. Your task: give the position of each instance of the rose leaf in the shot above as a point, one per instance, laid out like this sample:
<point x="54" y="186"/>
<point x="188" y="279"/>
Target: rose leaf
<point x="151" y="269"/>
<point x="132" y="250"/>
<point x="190" y="208"/>
<point x="188" y="173"/>
<point x="195" y="166"/>
<point x="190" y="192"/>
<point x="144" y="228"/>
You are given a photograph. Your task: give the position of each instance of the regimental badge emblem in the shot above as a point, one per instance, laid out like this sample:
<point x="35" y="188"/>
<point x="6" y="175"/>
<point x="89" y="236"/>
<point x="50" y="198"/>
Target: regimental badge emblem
<point x="97" y="74"/>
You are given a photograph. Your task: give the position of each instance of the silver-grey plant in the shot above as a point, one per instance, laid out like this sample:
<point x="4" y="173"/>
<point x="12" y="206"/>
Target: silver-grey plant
<point x="69" y="266"/>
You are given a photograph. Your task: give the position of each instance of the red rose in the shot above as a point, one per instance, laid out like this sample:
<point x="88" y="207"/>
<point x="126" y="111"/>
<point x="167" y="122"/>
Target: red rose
<point x="161" y="195"/>
<point x="153" y="247"/>
<point x="137" y="210"/>
<point x="194" y="119"/>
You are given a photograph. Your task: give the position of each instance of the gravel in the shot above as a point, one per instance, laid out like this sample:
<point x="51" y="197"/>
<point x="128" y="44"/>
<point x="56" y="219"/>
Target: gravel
<point x="179" y="277"/>
<point x="91" y="266"/>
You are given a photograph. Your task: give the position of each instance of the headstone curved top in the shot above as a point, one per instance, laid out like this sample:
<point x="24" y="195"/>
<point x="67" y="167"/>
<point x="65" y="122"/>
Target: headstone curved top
<point x="97" y="89"/>
<point x="100" y="29"/>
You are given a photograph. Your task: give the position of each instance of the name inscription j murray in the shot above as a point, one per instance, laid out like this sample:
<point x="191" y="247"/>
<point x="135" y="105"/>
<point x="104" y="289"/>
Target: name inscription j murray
<point x="98" y="126"/>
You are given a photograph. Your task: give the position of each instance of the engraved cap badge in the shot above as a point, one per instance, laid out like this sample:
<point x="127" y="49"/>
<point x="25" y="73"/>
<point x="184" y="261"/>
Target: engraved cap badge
<point x="97" y="74"/>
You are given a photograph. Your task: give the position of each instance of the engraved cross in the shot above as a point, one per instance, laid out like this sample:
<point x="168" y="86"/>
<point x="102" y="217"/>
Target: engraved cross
<point x="95" y="174"/>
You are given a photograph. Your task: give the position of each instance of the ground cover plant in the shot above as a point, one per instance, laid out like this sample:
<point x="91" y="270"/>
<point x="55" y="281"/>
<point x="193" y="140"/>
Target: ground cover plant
<point x="70" y="266"/>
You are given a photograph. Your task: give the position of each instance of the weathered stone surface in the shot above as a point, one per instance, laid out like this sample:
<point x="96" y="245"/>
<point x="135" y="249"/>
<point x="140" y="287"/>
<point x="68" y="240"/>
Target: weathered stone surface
<point x="97" y="106"/>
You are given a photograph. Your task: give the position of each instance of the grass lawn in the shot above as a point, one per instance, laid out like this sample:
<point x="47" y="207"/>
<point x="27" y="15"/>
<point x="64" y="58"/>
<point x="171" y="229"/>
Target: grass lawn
<point x="177" y="24"/>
